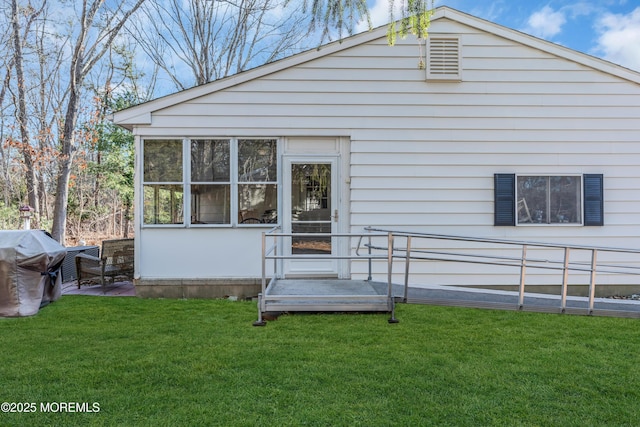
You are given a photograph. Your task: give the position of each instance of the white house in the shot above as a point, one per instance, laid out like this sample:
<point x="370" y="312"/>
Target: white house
<point x="501" y="135"/>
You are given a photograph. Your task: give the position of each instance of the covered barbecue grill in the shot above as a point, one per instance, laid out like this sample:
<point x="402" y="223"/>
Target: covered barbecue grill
<point x="30" y="262"/>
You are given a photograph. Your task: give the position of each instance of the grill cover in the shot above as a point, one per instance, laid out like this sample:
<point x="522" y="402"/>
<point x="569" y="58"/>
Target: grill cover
<point x="30" y="263"/>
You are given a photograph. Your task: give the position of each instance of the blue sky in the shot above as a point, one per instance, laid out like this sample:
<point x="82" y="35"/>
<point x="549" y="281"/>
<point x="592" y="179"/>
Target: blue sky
<point x="608" y="29"/>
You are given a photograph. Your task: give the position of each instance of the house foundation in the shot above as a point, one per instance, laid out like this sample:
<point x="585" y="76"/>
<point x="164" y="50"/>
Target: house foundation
<point x="241" y="288"/>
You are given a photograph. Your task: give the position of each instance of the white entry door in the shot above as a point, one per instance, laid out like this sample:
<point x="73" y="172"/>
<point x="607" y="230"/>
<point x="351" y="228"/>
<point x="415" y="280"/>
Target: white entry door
<point x="310" y="201"/>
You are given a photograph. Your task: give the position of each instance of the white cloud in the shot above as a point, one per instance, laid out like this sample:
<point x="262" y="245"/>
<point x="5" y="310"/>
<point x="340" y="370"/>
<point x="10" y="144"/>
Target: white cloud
<point x="546" y="22"/>
<point x="619" y="39"/>
<point x="379" y="13"/>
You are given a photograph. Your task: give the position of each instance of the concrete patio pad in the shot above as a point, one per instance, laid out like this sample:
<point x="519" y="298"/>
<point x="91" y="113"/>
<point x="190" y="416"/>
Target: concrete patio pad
<point x="118" y="289"/>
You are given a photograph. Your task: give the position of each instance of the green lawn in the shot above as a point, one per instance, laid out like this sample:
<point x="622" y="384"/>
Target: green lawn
<point x="200" y="362"/>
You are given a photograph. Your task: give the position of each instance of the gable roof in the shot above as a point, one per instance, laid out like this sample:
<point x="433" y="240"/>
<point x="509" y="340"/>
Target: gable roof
<point x="141" y="114"/>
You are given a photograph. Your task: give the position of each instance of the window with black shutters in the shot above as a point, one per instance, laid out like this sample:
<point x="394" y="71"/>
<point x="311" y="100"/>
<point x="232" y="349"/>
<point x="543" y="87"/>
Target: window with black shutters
<point x="548" y="199"/>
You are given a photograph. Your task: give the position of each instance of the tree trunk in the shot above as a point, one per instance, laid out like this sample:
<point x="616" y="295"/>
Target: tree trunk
<point x="32" y="189"/>
<point x="59" y="227"/>
<point x="83" y="59"/>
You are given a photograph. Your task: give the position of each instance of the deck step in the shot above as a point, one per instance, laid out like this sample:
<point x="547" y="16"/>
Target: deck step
<point x="326" y="295"/>
<point x="324" y="306"/>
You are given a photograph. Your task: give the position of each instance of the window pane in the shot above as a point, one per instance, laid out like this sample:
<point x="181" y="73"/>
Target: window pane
<point x="549" y="200"/>
<point x="210" y="160"/>
<point x="308" y="244"/>
<point x="311" y="191"/>
<point x="257" y="160"/>
<point x="162" y="160"/>
<point x="163" y="204"/>
<point x="532" y="199"/>
<point x="258" y="203"/>
<point x="565" y="199"/>
<point x="210" y="204"/>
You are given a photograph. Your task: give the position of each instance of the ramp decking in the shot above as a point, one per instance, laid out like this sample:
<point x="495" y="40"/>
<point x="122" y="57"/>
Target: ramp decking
<point x="325" y="295"/>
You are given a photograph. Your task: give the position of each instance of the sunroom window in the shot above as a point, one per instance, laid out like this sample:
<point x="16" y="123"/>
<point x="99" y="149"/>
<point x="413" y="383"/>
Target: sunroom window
<point x="257" y="181"/>
<point x="229" y="181"/>
<point x="163" y="190"/>
<point x="210" y="181"/>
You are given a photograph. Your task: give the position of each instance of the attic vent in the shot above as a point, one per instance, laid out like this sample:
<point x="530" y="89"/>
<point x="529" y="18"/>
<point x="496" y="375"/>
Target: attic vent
<point x="443" y="58"/>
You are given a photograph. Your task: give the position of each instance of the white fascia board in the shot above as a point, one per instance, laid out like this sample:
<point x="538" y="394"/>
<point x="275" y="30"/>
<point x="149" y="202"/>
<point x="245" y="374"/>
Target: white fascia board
<point x="140" y="119"/>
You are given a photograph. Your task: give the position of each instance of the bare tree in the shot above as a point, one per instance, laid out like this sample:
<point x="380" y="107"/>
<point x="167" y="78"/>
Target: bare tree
<point x="25" y="143"/>
<point x="196" y="41"/>
<point x="98" y="28"/>
<point x="7" y="66"/>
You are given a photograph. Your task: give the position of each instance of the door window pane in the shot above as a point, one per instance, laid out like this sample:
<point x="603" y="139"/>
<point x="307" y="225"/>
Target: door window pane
<point x="311" y="207"/>
<point x="311" y="192"/>
<point x="301" y="245"/>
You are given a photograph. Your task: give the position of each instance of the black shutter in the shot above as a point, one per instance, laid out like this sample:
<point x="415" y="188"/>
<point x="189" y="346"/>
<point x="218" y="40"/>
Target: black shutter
<point x="593" y="199"/>
<point x="504" y="199"/>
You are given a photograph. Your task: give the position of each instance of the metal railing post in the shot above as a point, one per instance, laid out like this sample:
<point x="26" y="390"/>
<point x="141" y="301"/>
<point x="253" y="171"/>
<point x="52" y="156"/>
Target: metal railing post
<point x="369" y="278"/>
<point x="392" y="305"/>
<point x="264" y="261"/>
<point x="565" y="279"/>
<point x="277" y="265"/>
<point x="406" y="270"/>
<point x="592" y="281"/>
<point x="260" y="321"/>
<point x="389" y="260"/>
<point x="523" y="271"/>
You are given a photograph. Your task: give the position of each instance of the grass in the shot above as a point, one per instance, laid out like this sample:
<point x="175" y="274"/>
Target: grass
<point x="200" y="362"/>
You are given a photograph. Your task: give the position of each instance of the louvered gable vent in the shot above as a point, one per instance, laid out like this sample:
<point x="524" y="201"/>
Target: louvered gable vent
<point x="443" y="58"/>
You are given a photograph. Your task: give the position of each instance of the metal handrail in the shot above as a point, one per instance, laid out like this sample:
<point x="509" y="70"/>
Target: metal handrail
<point x="523" y="262"/>
<point x="277" y="236"/>
<point x="391" y="251"/>
<point x="280" y="255"/>
<point x="500" y="241"/>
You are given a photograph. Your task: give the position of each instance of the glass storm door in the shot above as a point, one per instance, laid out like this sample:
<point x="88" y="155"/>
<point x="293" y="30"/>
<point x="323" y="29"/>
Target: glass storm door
<point x="310" y="202"/>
